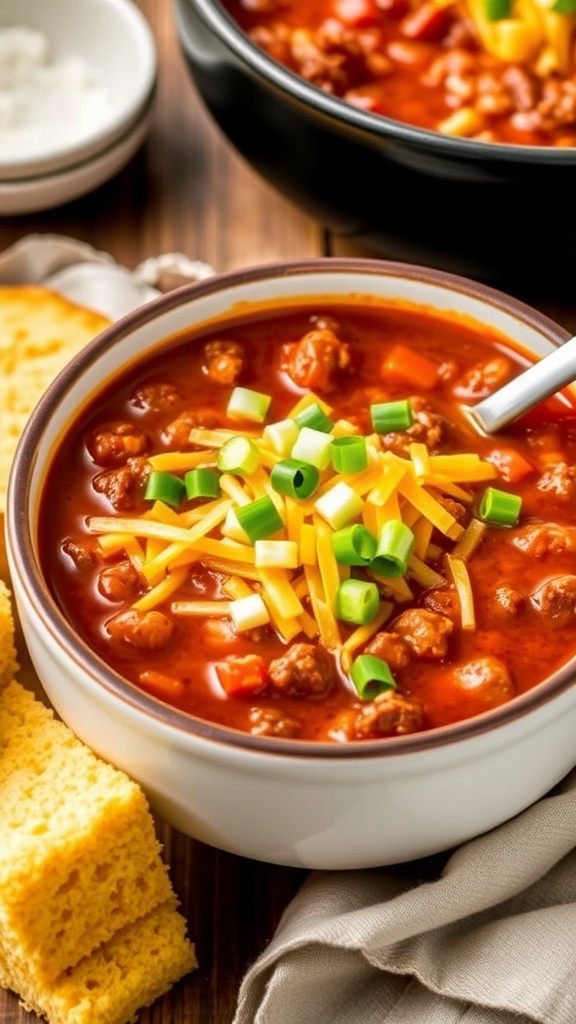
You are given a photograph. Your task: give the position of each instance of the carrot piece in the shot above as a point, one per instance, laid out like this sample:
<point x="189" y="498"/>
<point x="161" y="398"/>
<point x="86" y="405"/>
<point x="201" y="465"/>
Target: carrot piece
<point x="511" y="465"/>
<point x="242" y="677"/>
<point x="160" y="685"/>
<point x="404" y="362"/>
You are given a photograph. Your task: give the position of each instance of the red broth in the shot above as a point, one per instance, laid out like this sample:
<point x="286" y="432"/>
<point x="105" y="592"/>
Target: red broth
<point x="441" y="66"/>
<point x="478" y="612"/>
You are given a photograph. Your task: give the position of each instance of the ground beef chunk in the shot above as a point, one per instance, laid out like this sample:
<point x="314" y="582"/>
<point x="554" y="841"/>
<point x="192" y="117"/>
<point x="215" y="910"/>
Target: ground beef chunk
<point x="177" y="432"/>
<point x="334" y="58"/>
<point x="148" y="631"/>
<point x="272" y="722"/>
<point x="556" y="600"/>
<point x="323" y="322"/>
<point x="507" y="601"/>
<point x="486" y="678"/>
<point x="120" y="582"/>
<point x="559" y="480"/>
<point x="429" y="428"/>
<point x="123" y="486"/>
<point x="223" y="362"/>
<point x="483" y="379"/>
<point x="157" y="396"/>
<point x="115" y="445"/>
<point x="425" y="632"/>
<point x="541" y="539"/>
<point x="317" y="360"/>
<point x="391" y="648"/>
<point x="305" y="670"/>
<point x="83" y="556"/>
<point x="444" y="601"/>
<point x="389" y="714"/>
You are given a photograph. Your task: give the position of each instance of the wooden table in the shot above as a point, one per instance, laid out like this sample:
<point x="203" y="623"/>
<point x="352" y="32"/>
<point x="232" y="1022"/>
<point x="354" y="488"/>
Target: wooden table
<point x="187" y="191"/>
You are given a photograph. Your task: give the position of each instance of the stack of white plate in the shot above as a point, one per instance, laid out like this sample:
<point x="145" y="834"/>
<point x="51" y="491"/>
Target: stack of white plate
<point x="77" y="85"/>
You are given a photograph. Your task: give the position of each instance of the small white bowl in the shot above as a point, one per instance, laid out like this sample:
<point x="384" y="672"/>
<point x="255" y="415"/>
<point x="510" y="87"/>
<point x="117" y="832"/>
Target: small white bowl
<point x="313" y="805"/>
<point x="49" y="190"/>
<point x="115" y="46"/>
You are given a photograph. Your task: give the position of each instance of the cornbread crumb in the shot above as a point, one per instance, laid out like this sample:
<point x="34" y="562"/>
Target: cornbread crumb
<point x="137" y="965"/>
<point x="40" y="331"/>
<point x="79" y="857"/>
<point x="8" y="659"/>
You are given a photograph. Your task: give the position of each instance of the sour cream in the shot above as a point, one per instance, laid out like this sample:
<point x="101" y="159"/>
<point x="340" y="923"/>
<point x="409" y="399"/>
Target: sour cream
<point x="44" y="103"/>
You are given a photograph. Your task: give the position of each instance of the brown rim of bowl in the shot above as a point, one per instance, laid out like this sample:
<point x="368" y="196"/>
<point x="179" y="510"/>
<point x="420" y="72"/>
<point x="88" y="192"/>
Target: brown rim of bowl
<point x="61" y="632"/>
<point x="295" y="87"/>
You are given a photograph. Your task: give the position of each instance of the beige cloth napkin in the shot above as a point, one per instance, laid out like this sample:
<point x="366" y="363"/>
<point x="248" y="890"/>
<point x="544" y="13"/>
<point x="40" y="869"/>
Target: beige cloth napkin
<point x="484" y="935"/>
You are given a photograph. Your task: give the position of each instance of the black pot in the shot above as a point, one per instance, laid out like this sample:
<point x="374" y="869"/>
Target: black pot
<point x="504" y="214"/>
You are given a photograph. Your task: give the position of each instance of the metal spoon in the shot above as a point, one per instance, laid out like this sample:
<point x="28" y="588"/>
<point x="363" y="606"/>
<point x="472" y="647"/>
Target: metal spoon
<point x="532" y="386"/>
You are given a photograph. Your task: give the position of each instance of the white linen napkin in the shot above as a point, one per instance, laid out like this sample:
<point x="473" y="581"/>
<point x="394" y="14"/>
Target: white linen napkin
<point x="483" y="935"/>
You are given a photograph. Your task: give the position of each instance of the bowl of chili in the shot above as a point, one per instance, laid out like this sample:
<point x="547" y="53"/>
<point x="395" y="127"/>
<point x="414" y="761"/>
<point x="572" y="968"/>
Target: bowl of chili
<point x="431" y="132"/>
<point x="266" y="563"/>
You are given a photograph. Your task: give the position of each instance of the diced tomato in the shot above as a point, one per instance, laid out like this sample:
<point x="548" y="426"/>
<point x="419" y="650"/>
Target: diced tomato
<point x="511" y="465"/>
<point x="242" y="676"/>
<point x="356" y="13"/>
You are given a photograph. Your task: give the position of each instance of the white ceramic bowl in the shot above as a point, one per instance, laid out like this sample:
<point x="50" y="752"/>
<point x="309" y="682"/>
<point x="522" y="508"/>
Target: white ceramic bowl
<point x="314" y="805"/>
<point x="30" y="195"/>
<point x="115" y="45"/>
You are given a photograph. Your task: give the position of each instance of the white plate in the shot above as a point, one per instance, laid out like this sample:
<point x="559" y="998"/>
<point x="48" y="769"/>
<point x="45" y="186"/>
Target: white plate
<point x="47" y="191"/>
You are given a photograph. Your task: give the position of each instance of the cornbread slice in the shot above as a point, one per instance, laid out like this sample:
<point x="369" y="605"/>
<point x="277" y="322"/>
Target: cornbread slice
<point x="8" y="658"/>
<point x="79" y="857"/>
<point x="40" y="331"/>
<point x="137" y="965"/>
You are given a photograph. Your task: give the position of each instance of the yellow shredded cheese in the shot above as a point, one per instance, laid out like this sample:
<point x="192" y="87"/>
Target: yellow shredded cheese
<point x="461" y="580"/>
<point x="290" y="579"/>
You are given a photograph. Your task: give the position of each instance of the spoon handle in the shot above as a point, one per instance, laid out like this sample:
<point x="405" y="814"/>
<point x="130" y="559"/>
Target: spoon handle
<point x="532" y="386"/>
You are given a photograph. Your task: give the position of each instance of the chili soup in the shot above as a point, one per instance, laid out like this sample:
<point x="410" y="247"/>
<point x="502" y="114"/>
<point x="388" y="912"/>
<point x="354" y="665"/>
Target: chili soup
<point x="291" y="526"/>
<point x="491" y="70"/>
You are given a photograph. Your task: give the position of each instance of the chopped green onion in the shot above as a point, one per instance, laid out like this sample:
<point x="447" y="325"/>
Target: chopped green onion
<point x="313" y="416"/>
<point x="281" y="436"/>
<point x="357" y="601"/>
<point x="249" y="612"/>
<point x="166" y="487"/>
<point x="245" y="404"/>
<point x="349" y="454"/>
<point x="259" y="519"/>
<point x="231" y="527"/>
<point x="339" y="505"/>
<point x="313" y="446"/>
<point x="294" y="478"/>
<point x="276" y="553"/>
<point x="390" y="416"/>
<point x="354" y="545"/>
<point x="496" y="10"/>
<point x="393" y="549"/>
<point x="499" y="507"/>
<point x="371" y="676"/>
<point x="238" y="455"/>
<point x="202" y="483"/>
<point x="564" y="7"/>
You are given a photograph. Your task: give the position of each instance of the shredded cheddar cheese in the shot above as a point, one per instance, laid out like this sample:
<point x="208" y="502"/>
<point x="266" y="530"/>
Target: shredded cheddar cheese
<point x="291" y="578"/>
